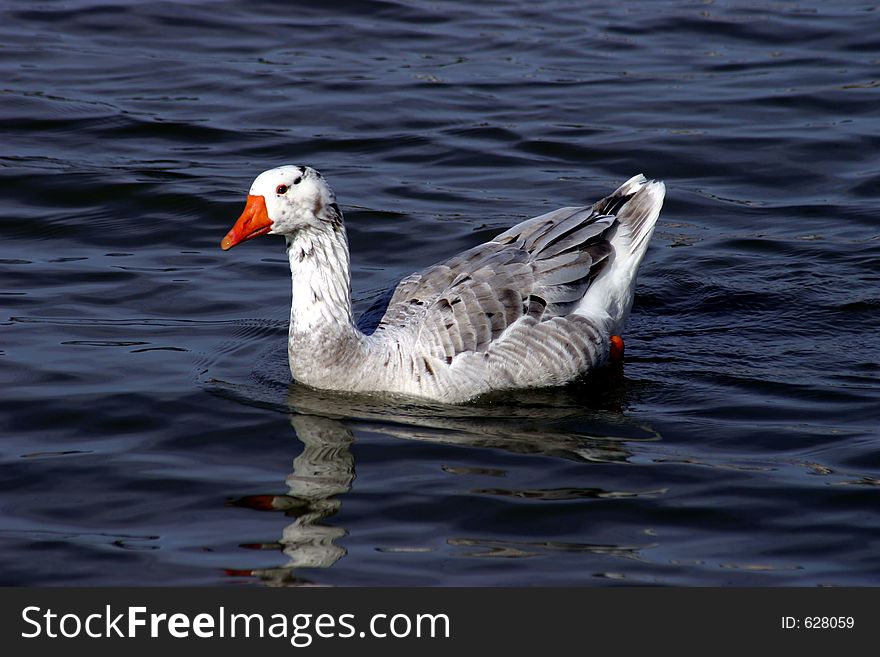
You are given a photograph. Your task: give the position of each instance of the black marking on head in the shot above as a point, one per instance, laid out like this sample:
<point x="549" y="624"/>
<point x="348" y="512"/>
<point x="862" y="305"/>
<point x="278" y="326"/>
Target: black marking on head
<point x="297" y="180"/>
<point x="301" y="169"/>
<point x="334" y="215"/>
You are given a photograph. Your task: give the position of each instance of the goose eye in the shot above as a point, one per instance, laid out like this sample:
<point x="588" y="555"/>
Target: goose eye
<point x="281" y="189"/>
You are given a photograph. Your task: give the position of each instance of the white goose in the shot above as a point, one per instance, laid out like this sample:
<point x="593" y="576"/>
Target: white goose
<point x="539" y="305"/>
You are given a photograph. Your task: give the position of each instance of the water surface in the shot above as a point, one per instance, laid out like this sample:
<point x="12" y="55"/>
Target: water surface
<point x="149" y="433"/>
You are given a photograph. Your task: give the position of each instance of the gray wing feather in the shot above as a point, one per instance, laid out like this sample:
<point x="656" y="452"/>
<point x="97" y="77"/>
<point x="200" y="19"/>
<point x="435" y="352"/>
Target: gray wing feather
<point x="528" y="275"/>
<point x="512" y="312"/>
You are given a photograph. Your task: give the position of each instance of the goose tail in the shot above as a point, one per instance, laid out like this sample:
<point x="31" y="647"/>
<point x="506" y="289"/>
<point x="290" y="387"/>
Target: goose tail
<point x="636" y="204"/>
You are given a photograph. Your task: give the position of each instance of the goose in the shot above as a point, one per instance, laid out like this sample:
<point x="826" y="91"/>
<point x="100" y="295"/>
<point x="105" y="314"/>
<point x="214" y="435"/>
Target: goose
<point x="539" y="305"/>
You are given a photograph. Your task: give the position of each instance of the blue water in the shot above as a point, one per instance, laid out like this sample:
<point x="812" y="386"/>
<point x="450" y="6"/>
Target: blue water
<point x="149" y="433"/>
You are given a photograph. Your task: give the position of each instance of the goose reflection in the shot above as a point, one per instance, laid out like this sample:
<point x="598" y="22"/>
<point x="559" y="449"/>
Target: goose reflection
<point x="323" y="470"/>
<point x="576" y="424"/>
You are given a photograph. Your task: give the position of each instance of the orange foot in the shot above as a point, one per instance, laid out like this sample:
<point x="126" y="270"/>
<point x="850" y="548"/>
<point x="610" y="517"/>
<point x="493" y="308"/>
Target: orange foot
<point x="616" y="353"/>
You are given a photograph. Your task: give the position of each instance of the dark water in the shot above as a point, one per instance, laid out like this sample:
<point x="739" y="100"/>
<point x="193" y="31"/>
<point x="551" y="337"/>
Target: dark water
<point x="149" y="431"/>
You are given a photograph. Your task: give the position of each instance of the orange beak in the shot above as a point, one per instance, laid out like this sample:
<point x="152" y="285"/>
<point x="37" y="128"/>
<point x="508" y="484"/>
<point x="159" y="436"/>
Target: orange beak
<point x="253" y="222"/>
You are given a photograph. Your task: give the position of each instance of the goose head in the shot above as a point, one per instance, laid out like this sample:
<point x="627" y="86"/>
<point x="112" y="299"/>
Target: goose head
<point x="283" y="201"/>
